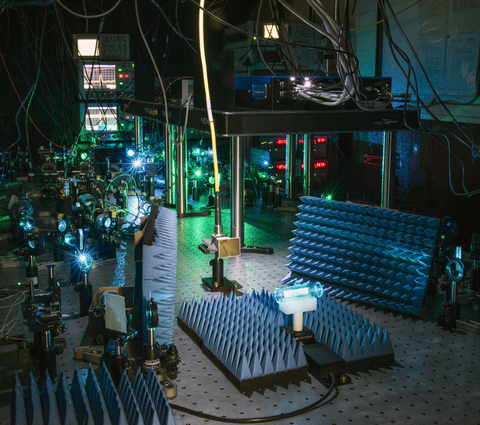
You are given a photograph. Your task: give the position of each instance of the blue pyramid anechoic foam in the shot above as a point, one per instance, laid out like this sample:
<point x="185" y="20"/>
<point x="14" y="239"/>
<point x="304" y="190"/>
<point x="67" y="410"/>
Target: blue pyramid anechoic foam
<point x="94" y="403"/>
<point x="374" y="255"/>
<point x="159" y="266"/>
<point x="245" y="333"/>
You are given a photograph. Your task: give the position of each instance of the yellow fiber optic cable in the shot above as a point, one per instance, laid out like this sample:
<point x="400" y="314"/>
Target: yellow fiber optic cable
<point x="207" y="97"/>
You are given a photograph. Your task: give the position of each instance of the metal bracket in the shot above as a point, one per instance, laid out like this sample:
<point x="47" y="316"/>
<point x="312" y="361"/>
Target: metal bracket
<point x="88" y="355"/>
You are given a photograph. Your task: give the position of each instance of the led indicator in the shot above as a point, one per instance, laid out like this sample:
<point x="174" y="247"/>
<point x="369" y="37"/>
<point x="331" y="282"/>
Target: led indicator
<point x="320" y="164"/>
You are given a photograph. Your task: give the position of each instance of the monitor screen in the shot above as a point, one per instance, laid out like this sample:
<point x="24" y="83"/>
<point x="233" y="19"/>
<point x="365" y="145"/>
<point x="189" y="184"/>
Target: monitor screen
<point x="86" y="46"/>
<point x="101" y="118"/>
<point x="99" y="77"/>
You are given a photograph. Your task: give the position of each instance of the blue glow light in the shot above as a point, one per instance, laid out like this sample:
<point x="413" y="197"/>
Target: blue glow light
<point x="62" y="226"/>
<point x="85" y="261"/>
<point x="28" y="223"/>
<point x="137" y="163"/>
<point x="130" y="152"/>
<point x="104" y="222"/>
<point x="298" y="292"/>
<point x="70" y="239"/>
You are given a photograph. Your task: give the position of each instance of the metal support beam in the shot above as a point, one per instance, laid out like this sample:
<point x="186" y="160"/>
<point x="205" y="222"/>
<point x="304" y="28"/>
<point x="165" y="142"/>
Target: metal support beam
<point x="307" y="164"/>
<point x="290" y="167"/>
<point x="181" y="175"/>
<point x="388" y="170"/>
<point x="170" y="189"/>
<point x="237" y="188"/>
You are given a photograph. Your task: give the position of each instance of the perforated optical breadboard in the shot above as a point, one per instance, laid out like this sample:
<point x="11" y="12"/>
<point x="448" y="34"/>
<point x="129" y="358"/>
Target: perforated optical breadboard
<point x="434" y="379"/>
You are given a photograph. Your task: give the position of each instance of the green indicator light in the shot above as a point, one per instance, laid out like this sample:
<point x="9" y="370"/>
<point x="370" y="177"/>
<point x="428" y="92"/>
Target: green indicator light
<point x="84" y="155"/>
<point x="119" y="69"/>
<point x="121" y="83"/>
<point x="198" y="173"/>
<point x="211" y="180"/>
<point x="133" y="65"/>
<point x="328" y="197"/>
<point x="443" y="236"/>
<point x="19" y="283"/>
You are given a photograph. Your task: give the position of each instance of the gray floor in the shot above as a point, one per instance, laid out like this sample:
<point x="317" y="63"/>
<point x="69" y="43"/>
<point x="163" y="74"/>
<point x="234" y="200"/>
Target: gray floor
<point x="435" y="379"/>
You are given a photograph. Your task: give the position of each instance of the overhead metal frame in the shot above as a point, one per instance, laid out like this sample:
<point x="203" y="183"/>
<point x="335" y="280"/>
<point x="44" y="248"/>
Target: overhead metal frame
<point x="265" y="123"/>
<point x="237" y="125"/>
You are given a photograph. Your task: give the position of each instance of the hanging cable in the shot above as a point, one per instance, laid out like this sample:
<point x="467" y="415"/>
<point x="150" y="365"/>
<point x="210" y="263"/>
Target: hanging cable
<point x="167" y="127"/>
<point x="39" y="57"/>
<point x="218" y="216"/>
<point x="23" y="103"/>
<point x="89" y="16"/>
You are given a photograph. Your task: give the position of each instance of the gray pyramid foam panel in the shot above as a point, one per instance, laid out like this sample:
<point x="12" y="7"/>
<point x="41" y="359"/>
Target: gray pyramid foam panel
<point x="94" y="403"/>
<point x="160" y="273"/>
<point x="368" y="254"/>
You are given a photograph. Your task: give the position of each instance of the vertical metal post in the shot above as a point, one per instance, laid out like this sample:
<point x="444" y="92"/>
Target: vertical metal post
<point x="170" y="167"/>
<point x="388" y="170"/>
<point x="379" y="41"/>
<point x="181" y="176"/>
<point x="138" y="134"/>
<point x="307" y="164"/>
<point x="290" y="188"/>
<point x="237" y="188"/>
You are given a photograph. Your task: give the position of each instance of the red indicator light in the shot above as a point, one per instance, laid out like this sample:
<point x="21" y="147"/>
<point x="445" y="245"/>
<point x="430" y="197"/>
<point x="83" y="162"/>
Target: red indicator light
<point x="300" y="141"/>
<point x="320" y="164"/>
<point x="120" y="75"/>
<point x="128" y="117"/>
<point x="126" y="75"/>
<point x="281" y="167"/>
<point x="320" y="140"/>
<point x="302" y="167"/>
<point x="281" y="141"/>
